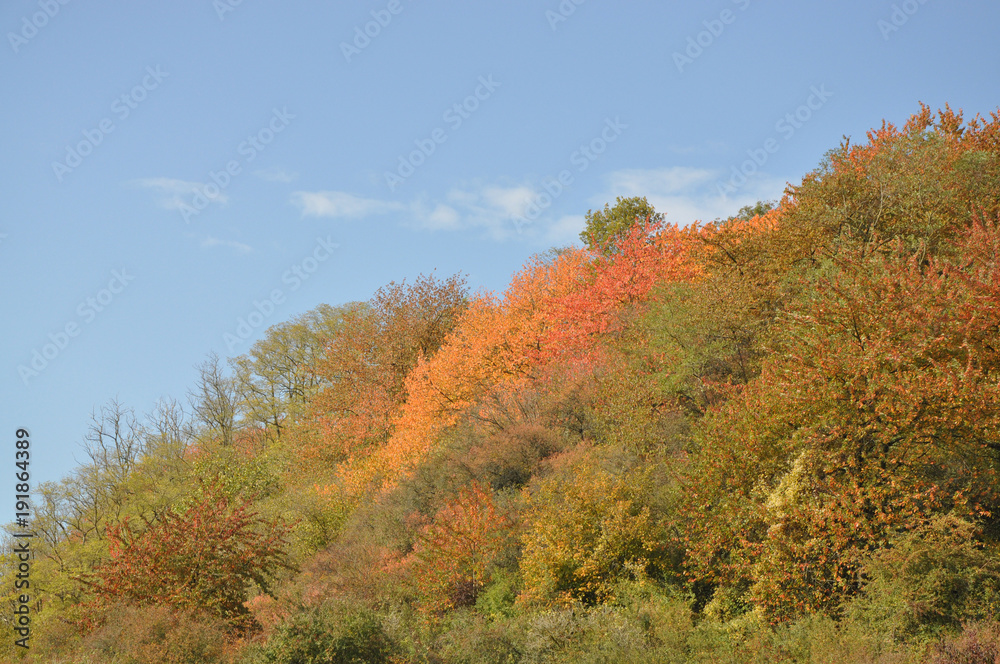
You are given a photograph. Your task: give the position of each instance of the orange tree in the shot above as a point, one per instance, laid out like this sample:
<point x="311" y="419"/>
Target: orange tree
<point x="365" y="363"/>
<point x="451" y="561"/>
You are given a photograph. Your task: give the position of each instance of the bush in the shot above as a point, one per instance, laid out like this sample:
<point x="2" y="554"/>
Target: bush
<point x="472" y="639"/>
<point x="156" y="635"/>
<point x="930" y="580"/>
<point x="588" y="528"/>
<point x="330" y="634"/>
<point x="603" y="634"/>
<point x="978" y="643"/>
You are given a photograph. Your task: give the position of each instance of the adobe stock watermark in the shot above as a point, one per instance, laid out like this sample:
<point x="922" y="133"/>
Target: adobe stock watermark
<point x="786" y="127"/>
<point x="121" y="107"/>
<point x="30" y="25"/>
<point x="248" y="149"/>
<point x="899" y="17"/>
<point x="714" y="28"/>
<point x="293" y="278"/>
<point x="581" y="158"/>
<point x="565" y="9"/>
<point x="87" y="311"/>
<point x="363" y="35"/>
<point x="454" y="116"/>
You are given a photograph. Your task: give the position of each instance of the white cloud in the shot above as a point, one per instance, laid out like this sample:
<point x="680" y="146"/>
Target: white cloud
<point x="684" y="194"/>
<point x="175" y="194"/>
<point x="276" y="174"/>
<point x="687" y="194"/>
<point x="477" y="206"/>
<point x="511" y="200"/>
<point x="638" y="182"/>
<point x="442" y="217"/>
<point x="340" y="204"/>
<point x="565" y="230"/>
<point x="489" y="207"/>
<point x="210" y="242"/>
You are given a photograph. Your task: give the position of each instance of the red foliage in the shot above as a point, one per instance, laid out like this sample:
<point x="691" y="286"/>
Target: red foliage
<point x="204" y="559"/>
<point x="617" y="284"/>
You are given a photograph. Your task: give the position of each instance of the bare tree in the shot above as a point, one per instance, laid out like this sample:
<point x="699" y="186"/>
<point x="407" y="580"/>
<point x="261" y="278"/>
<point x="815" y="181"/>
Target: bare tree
<point x="98" y="491"/>
<point x="115" y="440"/>
<point x="169" y="433"/>
<point x="214" y="400"/>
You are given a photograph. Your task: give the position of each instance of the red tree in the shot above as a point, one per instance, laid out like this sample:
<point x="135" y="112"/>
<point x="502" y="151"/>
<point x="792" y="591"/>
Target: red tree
<point x="204" y="558"/>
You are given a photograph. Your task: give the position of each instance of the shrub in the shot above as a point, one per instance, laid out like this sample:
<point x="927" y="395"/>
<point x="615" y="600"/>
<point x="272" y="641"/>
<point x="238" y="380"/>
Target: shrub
<point x="931" y="579"/>
<point x="330" y="634"/>
<point x="156" y="635"/>
<point x="978" y="643"/>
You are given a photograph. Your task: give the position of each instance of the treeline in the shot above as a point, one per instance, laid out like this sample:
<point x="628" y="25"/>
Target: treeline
<point x="774" y="437"/>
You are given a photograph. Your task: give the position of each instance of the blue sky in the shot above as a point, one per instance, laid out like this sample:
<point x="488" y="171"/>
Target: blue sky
<point x="168" y="167"/>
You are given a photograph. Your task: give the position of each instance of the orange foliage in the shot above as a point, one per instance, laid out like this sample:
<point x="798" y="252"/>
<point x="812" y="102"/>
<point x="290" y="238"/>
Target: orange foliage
<point x="450" y="564"/>
<point x="560" y="309"/>
<point x="496" y="344"/>
<point x="616" y="284"/>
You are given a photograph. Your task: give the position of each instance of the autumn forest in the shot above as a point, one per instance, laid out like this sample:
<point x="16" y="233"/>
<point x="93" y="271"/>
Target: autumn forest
<point x="768" y="438"/>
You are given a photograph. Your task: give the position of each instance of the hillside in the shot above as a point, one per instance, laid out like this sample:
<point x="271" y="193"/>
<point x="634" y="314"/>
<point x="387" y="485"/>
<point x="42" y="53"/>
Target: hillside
<point x="769" y="438"/>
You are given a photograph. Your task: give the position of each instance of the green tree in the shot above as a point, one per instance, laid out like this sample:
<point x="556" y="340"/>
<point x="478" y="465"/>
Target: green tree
<point x="604" y="227"/>
<point x="274" y="379"/>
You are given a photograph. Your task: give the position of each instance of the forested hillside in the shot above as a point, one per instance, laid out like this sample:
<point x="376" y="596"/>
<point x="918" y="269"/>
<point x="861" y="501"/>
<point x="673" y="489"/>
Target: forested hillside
<point x="774" y="437"/>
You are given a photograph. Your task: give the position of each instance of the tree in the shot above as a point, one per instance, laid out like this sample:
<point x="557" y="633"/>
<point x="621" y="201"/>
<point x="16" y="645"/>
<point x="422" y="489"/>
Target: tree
<point x="604" y="227"/>
<point x="214" y="400"/>
<point x="492" y="351"/>
<point x="451" y="561"/>
<point x="586" y="529"/>
<point x="366" y="363"/>
<point x="204" y="558"/>
<point x="277" y="378"/>
<point x="611" y="291"/>
<point x="876" y="409"/>
<point x="758" y="209"/>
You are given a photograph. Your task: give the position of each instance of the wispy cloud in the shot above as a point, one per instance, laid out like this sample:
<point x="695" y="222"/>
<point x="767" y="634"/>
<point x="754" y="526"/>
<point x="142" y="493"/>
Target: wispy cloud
<point x="276" y="174"/>
<point x="440" y="217"/>
<point x="340" y="204"/>
<point x="687" y="194"/>
<point x="487" y="207"/>
<point x="174" y="194"/>
<point x="210" y="242"/>
<point x="684" y="194"/>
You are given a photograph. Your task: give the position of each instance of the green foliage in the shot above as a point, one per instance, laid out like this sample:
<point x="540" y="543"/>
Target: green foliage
<point x="604" y="227"/>
<point x="274" y="380"/>
<point x="758" y="209"/>
<point x="469" y="639"/>
<point x="928" y="580"/>
<point x="498" y="599"/>
<point x="330" y="634"/>
<point x="235" y="475"/>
